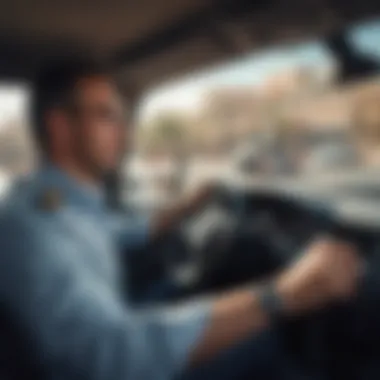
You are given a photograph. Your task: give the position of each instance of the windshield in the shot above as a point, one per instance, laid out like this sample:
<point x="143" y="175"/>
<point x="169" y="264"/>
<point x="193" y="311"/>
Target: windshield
<point x="276" y="112"/>
<point x="280" y="111"/>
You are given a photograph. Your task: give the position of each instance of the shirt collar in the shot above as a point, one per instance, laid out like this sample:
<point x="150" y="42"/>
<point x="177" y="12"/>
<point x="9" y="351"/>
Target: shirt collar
<point x="75" y="192"/>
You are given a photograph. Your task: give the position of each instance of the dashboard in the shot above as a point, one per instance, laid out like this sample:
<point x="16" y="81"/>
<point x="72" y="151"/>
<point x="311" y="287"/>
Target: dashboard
<point x="297" y="221"/>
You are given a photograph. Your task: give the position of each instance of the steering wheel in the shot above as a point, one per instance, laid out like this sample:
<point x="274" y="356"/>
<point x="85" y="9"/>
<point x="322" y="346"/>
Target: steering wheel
<point x="225" y="215"/>
<point x="188" y="259"/>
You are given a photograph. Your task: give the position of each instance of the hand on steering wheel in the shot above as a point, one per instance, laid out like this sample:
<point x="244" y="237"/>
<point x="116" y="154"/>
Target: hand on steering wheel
<point x="340" y="274"/>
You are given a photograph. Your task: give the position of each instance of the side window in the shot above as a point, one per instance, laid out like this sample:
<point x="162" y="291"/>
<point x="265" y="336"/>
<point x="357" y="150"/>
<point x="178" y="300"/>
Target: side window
<point x="364" y="38"/>
<point x="17" y="154"/>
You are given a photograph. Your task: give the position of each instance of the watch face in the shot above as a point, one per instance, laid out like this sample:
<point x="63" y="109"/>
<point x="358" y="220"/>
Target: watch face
<point x="271" y="302"/>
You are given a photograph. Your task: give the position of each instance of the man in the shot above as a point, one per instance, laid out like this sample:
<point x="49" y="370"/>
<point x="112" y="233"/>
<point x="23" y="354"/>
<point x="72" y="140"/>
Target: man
<point x="59" y="279"/>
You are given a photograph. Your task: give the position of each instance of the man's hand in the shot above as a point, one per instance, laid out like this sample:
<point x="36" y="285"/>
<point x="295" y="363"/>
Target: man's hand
<point x="168" y="219"/>
<point x="328" y="272"/>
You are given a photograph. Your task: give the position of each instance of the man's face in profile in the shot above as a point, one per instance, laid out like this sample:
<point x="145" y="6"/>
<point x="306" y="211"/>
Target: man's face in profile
<point x="98" y="124"/>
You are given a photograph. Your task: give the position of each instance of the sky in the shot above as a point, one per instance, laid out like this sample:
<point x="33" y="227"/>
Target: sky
<point x="185" y="94"/>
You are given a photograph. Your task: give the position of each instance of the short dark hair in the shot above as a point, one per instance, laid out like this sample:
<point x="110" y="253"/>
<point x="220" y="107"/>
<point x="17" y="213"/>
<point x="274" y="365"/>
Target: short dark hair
<point x="54" y="86"/>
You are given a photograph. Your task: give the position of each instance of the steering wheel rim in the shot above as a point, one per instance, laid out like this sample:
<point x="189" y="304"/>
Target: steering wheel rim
<point x="232" y="206"/>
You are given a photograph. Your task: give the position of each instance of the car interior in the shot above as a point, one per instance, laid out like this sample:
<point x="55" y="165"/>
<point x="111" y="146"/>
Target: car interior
<point x="245" y="232"/>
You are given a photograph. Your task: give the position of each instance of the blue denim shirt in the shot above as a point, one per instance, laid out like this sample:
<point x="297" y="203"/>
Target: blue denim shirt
<point x="59" y="278"/>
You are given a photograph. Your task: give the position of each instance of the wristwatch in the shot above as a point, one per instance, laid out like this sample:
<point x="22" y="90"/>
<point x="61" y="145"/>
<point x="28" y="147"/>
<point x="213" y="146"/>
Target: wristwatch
<point x="271" y="302"/>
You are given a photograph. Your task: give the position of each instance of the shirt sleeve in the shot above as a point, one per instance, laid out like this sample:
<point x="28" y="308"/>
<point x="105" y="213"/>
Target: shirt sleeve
<point x="78" y="326"/>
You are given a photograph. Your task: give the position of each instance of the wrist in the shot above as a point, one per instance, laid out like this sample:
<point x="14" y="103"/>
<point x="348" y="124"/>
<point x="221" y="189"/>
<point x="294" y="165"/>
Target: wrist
<point x="271" y="301"/>
<point x="286" y="293"/>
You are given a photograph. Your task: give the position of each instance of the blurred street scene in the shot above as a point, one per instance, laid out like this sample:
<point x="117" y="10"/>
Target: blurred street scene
<point x="292" y="118"/>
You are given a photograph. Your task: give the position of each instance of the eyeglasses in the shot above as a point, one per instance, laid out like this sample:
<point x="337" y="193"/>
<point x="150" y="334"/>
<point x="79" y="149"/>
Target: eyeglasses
<point x="102" y="113"/>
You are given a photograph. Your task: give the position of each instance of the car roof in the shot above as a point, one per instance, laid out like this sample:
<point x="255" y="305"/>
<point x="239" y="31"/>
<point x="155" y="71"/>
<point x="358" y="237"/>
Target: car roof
<point x="149" y="41"/>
